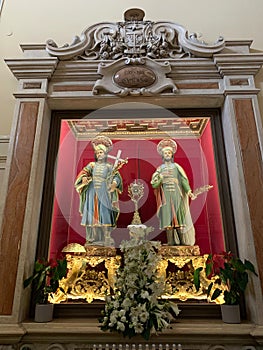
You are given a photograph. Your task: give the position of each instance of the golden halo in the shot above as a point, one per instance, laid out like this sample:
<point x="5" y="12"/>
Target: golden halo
<point x="102" y="140"/>
<point x="166" y="143"/>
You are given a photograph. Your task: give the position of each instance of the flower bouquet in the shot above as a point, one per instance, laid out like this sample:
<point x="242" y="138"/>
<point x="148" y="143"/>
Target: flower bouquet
<point x="136" y="307"/>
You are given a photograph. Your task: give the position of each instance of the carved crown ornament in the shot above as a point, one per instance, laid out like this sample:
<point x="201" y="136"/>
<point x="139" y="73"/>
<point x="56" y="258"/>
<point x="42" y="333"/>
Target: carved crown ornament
<point x="133" y="55"/>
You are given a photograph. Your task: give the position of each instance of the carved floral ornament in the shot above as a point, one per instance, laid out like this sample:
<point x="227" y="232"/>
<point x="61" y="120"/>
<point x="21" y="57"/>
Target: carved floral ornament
<point x="128" y="51"/>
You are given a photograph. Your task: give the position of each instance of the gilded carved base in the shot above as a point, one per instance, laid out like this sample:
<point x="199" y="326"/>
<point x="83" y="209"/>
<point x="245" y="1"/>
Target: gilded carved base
<point x="92" y="273"/>
<point x="179" y="250"/>
<point x="176" y="268"/>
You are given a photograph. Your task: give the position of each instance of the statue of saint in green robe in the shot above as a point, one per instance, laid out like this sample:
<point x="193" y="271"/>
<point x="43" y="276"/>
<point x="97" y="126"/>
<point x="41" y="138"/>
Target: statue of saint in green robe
<point x="172" y="191"/>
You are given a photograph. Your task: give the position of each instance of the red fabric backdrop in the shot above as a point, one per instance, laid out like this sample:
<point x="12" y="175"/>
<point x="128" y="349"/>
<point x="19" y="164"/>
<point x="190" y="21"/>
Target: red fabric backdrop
<point x="196" y="156"/>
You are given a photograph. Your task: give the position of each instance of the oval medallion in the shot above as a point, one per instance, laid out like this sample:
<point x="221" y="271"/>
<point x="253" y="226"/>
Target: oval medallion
<point x="134" y="77"/>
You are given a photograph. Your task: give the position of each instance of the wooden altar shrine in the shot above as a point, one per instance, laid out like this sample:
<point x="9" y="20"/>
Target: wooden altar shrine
<point x="202" y="94"/>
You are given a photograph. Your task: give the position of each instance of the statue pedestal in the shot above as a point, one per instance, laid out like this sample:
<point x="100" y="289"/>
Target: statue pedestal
<point x="179" y="250"/>
<point x="176" y="269"/>
<point x="92" y="271"/>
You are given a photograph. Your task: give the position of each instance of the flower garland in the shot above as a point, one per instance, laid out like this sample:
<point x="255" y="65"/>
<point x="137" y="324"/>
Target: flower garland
<point x="136" y="307"/>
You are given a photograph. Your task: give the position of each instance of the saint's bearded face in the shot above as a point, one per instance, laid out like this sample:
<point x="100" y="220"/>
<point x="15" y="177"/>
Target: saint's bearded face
<point x="100" y="155"/>
<point x="167" y="155"/>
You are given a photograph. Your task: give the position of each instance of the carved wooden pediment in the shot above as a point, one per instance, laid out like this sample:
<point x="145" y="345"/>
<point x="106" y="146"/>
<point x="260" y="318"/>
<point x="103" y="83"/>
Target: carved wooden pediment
<point x="134" y="38"/>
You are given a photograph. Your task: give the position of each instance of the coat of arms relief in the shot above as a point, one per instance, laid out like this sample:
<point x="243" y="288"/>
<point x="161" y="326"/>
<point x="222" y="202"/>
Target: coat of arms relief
<point x="134" y="55"/>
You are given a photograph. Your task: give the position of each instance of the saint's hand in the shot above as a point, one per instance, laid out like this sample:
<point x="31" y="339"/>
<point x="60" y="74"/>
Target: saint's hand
<point x="84" y="179"/>
<point x="113" y="186"/>
<point x="192" y="196"/>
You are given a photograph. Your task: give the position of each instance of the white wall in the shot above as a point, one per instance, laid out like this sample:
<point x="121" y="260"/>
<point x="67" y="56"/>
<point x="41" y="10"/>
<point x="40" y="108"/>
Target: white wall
<point x="33" y="22"/>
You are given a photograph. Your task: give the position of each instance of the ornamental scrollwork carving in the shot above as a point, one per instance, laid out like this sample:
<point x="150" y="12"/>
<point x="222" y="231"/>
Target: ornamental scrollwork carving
<point x="91" y="277"/>
<point x="85" y="280"/>
<point x="134" y="38"/>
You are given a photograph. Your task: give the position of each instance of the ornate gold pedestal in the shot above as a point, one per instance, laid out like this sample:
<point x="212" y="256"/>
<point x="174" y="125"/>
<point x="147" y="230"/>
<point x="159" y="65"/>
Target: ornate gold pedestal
<point x="177" y="267"/>
<point x="92" y="272"/>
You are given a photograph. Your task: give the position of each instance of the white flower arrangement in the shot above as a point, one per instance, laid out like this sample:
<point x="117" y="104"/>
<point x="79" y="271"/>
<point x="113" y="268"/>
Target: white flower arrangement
<point x="137" y="307"/>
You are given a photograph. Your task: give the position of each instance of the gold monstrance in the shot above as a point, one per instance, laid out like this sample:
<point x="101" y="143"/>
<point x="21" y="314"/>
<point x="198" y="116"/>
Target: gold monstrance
<point x="135" y="191"/>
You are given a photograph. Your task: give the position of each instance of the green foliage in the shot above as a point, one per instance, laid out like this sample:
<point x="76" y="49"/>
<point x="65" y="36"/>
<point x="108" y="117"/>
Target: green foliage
<point x="197" y="277"/>
<point x="45" y="278"/>
<point x="228" y="271"/>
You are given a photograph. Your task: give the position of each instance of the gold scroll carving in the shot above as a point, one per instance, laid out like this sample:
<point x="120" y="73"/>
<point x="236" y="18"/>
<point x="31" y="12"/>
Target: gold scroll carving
<point x="92" y="272"/>
<point x="91" y="275"/>
<point x="177" y="267"/>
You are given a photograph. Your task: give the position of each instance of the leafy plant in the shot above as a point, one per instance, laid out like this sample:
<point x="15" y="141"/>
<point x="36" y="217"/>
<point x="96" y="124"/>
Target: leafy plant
<point x="45" y="278"/>
<point x="136" y="307"/>
<point x="230" y="276"/>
